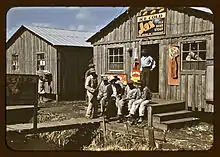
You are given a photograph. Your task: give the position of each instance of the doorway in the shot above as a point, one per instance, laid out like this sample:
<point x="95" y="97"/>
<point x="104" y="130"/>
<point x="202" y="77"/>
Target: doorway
<point x="153" y="51"/>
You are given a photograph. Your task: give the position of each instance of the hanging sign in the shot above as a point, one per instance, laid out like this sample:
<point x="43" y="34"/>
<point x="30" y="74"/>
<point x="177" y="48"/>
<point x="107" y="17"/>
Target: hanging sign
<point x="135" y="72"/>
<point x="21" y="89"/>
<point x="152" y="22"/>
<point x="174" y="65"/>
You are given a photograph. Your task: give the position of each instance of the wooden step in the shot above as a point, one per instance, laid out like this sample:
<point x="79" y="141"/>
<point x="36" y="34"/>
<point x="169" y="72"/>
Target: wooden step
<point x="158" y="118"/>
<point x="177" y="123"/>
<point x="164" y="106"/>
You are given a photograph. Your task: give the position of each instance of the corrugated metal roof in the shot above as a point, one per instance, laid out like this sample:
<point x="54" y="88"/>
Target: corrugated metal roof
<point x="62" y="37"/>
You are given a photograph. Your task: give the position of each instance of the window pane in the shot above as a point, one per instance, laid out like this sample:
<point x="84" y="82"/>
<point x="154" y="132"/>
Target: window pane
<point x="194" y="46"/>
<point x="186" y="65"/>
<point x="185" y="47"/>
<point x="110" y="52"/>
<point x="111" y="59"/>
<point x="121" y="59"/>
<point x="202" y="55"/>
<point x="194" y="65"/>
<point x="115" y="58"/>
<point x="202" y="45"/>
<point x="184" y="56"/>
<point x="121" y="51"/>
<point x="120" y="66"/>
<point x="202" y="65"/>
<point x="38" y="56"/>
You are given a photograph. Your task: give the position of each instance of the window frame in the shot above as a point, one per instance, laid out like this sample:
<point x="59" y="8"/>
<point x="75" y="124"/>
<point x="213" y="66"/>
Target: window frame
<point x="16" y="61"/>
<point x="108" y="59"/>
<point x="44" y="59"/>
<point x="190" y="42"/>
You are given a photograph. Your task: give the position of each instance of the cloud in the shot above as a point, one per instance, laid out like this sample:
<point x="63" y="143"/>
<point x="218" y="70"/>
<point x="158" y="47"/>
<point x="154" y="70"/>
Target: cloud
<point x="81" y="28"/>
<point x="82" y="14"/>
<point x="10" y="32"/>
<point x="43" y="24"/>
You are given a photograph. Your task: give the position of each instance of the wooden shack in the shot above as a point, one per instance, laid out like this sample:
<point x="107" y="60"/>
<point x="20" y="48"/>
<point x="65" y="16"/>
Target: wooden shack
<point x="64" y="53"/>
<point x="160" y="30"/>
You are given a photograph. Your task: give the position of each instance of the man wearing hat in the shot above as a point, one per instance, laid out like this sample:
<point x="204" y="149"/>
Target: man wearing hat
<point x="102" y="95"/>
<point x="131" y="94"/>
<point x="147" y="65"/>
<point x="91" y="85"/>
<point x="142" y="102"/>
<point x="91" y="66"/>
<point x="114" y="92"/>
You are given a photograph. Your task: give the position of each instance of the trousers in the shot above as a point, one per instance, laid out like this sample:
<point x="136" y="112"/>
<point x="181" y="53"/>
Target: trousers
<point x="121" y="103"/>
<point x="103" y="103"/>
<point x="92" y="109"/>
<point x="141" y="104"/>
<point x="145" y="76"/>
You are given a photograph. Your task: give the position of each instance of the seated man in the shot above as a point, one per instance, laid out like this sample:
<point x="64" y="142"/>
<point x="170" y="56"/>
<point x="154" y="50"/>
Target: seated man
<point x="114" y="92"/>
<point x="102" y="95"/>
<point x="131" y="94"/>
<point x="145" y="99"/>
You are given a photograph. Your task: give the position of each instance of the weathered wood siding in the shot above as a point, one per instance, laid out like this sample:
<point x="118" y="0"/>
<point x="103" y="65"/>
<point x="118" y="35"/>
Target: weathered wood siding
<point x="26" y="46"/>
<point x="180" y="27"/>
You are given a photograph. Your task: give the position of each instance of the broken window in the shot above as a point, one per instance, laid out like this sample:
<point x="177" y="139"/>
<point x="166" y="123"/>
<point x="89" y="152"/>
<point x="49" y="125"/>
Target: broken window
<point x="14" y="62"/>
<point x="41" y="61"/>
<point x="115" y="58"/>
<point x="194" y="55"/>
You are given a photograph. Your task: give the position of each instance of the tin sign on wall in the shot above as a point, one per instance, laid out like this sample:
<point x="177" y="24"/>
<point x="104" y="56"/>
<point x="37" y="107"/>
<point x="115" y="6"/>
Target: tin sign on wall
<point x="152" y="22"/>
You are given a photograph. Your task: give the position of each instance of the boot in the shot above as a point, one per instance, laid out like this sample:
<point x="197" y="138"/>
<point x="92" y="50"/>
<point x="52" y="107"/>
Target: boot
<point x="140" y="120"/>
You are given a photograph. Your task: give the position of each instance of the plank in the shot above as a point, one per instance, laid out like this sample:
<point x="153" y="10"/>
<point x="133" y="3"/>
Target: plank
<point x="168" y="22"/>
<point x="162" y="71"/>
<point x="186" y="23"/>
<point x="196" y="90"/>
<point x="190" y="90"/>
<point x="203" y="91"/>
<point x="209" y="83"/>
<point x="178" y="87"/>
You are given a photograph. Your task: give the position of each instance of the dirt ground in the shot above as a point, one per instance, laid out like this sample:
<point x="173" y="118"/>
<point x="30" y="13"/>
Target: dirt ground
<point x="198" y="137"/>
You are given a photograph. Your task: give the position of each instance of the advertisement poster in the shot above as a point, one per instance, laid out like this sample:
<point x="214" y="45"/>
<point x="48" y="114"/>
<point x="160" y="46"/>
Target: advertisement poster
<point x="122" y="77"/>
<point x="136" y="73"/>
<point x="151" y="23"/>
<point x="174" y="65"/>
<point x="21" y="89"/>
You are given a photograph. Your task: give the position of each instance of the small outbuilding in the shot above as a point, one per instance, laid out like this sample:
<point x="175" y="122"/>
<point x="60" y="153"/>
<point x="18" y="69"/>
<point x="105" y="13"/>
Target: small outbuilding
<point x="63" y="53"/>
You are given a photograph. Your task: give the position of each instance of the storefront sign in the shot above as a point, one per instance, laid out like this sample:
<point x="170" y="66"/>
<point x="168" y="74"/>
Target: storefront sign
<point x="174" y="65"/>
<point x="135" y="73"/>
<point x="21" y="89"/>
<point x="122" y="77"/>
<point x="152" y="23"/>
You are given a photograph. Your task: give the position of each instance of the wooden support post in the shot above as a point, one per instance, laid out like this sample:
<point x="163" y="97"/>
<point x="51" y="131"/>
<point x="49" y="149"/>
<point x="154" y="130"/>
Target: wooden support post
<point x="150" y="129"/>
<point x="104" y="129"/>
<point x="35" y="117"/>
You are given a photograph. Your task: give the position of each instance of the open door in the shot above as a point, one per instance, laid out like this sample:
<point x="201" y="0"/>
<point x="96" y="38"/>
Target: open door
<point x="153" y="51"/>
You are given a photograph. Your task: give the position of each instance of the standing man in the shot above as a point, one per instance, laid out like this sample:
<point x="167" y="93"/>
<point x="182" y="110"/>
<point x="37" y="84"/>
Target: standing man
<point x="147" y="65"/>
<point x="102" y="95"/>
<point x="87" y="73"/>
<point x="91" y="85"/>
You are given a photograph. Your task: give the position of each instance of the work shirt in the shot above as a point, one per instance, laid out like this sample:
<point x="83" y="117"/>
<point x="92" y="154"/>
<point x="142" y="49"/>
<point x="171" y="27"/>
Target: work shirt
<point x="146" y="94"/>
<point x="147" y="62"/>
<point x="134" y="94"/>
<point x="91" y="83"/>
<point x="102" y="90"/>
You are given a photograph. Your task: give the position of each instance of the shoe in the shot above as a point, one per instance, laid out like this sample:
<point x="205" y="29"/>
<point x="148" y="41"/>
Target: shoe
<point x="129" y="116"/>
<point x="140" y="120"/>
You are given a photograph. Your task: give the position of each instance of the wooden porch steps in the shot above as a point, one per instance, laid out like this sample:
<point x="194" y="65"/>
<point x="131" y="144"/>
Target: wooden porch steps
<point x="168" y="114"/>
<point x="177" y="123"/>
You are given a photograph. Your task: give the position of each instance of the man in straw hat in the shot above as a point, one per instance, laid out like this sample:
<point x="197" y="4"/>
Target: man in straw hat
<point x="91" y="85"/>
<point x="145" y="99"/>
<point x="130" y="95"/>
<point x="147" y="65"/>
<point x="114" y="92"/>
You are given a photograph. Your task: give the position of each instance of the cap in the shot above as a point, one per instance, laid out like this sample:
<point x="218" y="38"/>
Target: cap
<point x="92" y="70"/>
<point x="112" y="78"/>
<point x="116" y="77"/>
<point x="130" y="82"/>
<point x="139" y="82"/>
<point x="91" y="65"/>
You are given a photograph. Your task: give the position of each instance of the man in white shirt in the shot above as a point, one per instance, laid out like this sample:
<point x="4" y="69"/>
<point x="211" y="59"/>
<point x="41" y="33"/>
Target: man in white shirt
<point x="147" y="65"/>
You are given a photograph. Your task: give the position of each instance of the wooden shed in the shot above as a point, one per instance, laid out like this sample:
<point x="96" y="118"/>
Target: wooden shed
<point x="160" y="30"/>
<point x="64" y="53"/>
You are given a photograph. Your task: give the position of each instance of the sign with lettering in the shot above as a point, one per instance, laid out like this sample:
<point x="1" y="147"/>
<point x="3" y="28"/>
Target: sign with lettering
<point x="152" y="23"/>
<point x="122" y="77"/>
<point x="21" y="89"/>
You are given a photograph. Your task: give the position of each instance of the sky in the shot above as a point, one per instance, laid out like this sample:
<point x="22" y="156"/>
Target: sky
<point x="90" y="19"/>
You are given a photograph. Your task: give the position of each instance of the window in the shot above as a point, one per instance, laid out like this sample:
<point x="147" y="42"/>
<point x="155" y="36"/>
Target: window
<point x="40" y="61"/>
<point x="194" y="55"/>
<point x="115" y="58"/>
<point x="14" y="62"/>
